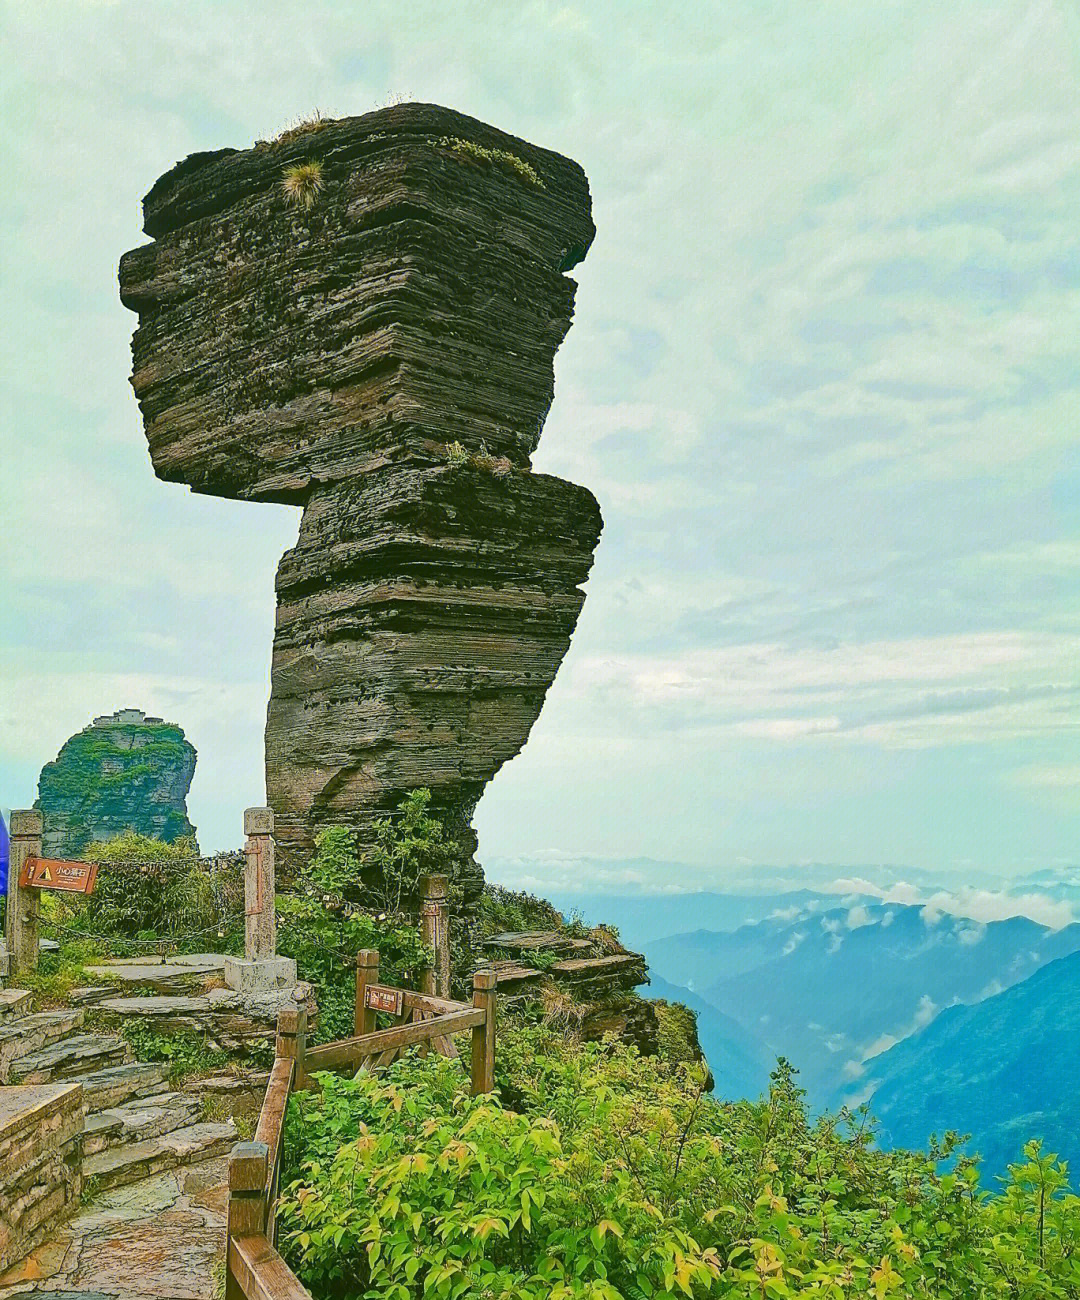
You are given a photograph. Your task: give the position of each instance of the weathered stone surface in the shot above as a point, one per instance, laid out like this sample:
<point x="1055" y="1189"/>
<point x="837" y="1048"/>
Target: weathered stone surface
<point x="115" y="1084"/>
<point x="31" y="1033"/>
<point x="40" y="1178"/>
<point x="69" y="1059"/>
<point x="124" y="772"/>
<point x="384" y="359"/>
<point x="183" y="1146"/>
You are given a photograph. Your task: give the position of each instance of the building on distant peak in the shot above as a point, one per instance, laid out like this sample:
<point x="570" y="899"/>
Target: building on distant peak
<point x="127" y="717"/>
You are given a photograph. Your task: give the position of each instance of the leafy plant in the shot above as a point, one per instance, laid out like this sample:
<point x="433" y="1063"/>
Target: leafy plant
<point x="602" y="1174"/>
<point x="487" y="157"/>
<point x="405" y="847"/>
<point x="185" y="1052"/>
<point x="323" y="926"/>
<point x="148" y="888"/>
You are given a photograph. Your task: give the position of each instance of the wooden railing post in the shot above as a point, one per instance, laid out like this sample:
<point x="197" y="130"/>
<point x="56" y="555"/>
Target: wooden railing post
<point x="435" y="932"/>
<point x="292" y="1041"/>
<point x="23" y="905"/>
<point x="248" y="1167"/>
<point x="483" y="1036"/>
<point x="367" y="972"/>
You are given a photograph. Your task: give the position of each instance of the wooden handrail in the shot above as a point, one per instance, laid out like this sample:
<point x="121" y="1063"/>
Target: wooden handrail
<point x="426" y="1002"/>
<point x="331" y="1056"/>
<point x="254" y="1269"/>
<point x="260" y="1273"/>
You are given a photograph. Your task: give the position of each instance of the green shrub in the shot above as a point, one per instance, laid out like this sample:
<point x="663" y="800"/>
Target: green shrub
<point x="185" y="1052"/>
<point x="619" y="1176"/>
<point x="477" y="153"/>
<point x="323" y="930"/>
<point x="147" y="888"/>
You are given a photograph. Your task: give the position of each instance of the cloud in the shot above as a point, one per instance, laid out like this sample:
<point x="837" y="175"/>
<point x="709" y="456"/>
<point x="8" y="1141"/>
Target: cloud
<point x="817" y="380"/>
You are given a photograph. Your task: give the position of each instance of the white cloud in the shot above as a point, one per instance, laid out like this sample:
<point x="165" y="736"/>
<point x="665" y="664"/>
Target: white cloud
<point x="817" y="379"/>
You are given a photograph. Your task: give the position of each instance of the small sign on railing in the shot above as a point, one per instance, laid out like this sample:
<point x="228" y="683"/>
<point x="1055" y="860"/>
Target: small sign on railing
<point x="50" y="873"/>
<point x="377" y="997"/>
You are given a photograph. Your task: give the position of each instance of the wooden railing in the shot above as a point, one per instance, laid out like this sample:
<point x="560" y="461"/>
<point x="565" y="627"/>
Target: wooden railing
<point x="254" y="1269"/>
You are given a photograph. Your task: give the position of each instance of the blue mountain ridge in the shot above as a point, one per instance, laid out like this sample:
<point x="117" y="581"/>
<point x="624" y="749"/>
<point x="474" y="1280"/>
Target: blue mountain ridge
<point x="1005" y="1070"/>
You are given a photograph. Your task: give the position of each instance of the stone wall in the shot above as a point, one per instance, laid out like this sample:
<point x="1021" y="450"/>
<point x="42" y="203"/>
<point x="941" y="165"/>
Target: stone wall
<point x="40" y="1164"/>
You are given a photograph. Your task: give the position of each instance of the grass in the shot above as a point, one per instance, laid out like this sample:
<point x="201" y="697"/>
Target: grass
<point x="309" y="124"/>
<point x="302" y="183"/>
<point x="185" y="1053"/>
<point x="477" y="153"/>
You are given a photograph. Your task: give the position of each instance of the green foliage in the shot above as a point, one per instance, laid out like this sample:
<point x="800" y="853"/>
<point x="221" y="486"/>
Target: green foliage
<point x="406" y="847"/>
<point x="617" y="1176"/>
<point x="678" y="1036"/>
<point x="323" y="930"/>
<point x="487" y="157"/>
<point x="162" y="895"/>
<point x="185" y="1052"/>
<point x="58" y="972"/>
<point x="456" y="455"/>
<point x="509" y="911"/>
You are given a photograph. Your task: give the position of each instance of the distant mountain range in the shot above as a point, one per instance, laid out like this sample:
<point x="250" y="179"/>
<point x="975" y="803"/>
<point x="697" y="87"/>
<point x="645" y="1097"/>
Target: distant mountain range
<point x="939" y="1021"/>
<point x="1006" y="1069"/>
<point x="830" y="988"/>
<point x="740" y="1062"/>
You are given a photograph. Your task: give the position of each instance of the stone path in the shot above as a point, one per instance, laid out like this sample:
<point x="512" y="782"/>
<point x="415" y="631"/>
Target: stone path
<point x="155" y="1170"/>
<point x="159" y="1239"/>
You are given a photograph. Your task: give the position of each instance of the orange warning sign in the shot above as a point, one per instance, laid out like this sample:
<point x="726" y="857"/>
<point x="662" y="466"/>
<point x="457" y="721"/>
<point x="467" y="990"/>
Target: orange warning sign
<point x="49" y="873"/>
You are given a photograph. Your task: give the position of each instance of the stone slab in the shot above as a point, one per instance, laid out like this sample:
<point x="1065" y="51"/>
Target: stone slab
<point x="32" y="1103"/>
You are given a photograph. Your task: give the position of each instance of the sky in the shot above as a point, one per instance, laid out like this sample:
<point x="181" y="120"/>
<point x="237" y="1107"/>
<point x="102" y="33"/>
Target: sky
<point x="822" y="379"/>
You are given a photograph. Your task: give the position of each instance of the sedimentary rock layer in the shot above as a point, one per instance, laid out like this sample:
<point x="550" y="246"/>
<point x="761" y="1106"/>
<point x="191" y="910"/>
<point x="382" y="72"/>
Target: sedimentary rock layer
<point x="385" y="359"/>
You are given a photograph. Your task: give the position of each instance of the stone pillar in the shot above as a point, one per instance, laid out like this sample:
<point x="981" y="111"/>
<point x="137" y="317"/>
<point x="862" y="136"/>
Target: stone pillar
<point x="261" y="969"/>
<point x="260" y="923"/>
<point x="23" y="905"/>
<point x="435" y="932"/>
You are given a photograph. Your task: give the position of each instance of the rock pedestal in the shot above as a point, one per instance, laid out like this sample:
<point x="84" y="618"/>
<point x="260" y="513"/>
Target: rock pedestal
<point x="382" y="356"/>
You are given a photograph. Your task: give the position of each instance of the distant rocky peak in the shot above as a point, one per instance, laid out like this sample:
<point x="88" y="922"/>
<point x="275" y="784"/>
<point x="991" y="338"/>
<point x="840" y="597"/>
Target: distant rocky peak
<point x="126" y="771"/>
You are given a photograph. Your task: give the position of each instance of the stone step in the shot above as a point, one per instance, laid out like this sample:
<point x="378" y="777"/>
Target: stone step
<point x="229" y="1020"/>
<point x="104" y="1089"/>
<point x="162" y="975"/>
<point x="88" y="994"/>
<point x="184" y="1146"/>
<point x="136" y="1121"/>
<point x="522" y="942"/>
<point x="31" y="1033"/>
<point x="68" y="1059"/>
<point x="14" y="1005"/>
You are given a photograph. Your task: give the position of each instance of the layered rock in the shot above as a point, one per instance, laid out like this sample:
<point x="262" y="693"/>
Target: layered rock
<point x="384" y="358"/>
<point x="124" y="772"/>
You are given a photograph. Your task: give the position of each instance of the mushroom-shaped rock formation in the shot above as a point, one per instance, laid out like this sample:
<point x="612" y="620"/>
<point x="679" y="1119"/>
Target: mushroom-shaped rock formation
<point x="361" y="318"/>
